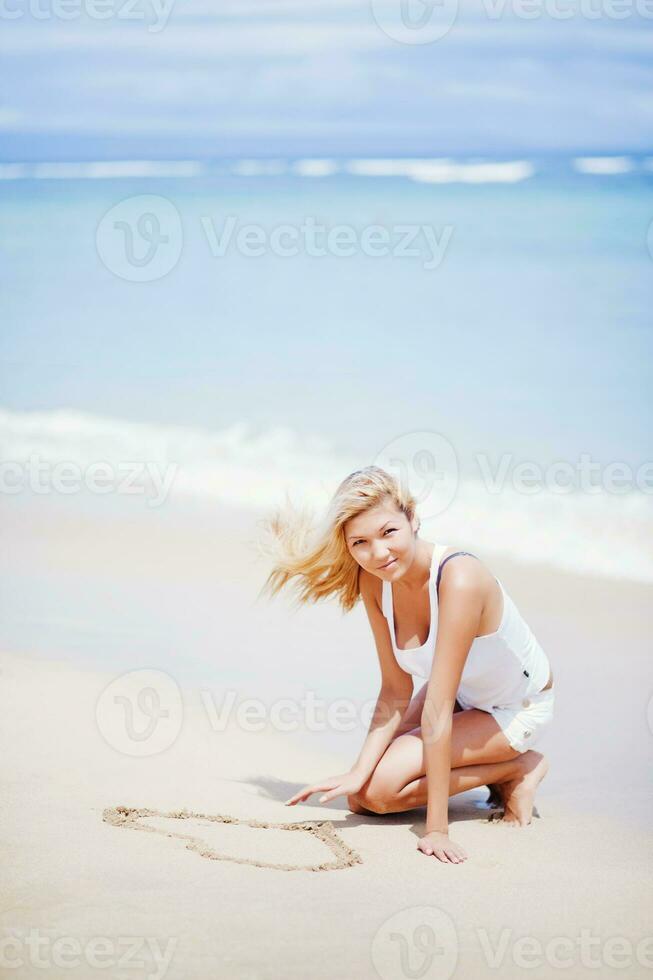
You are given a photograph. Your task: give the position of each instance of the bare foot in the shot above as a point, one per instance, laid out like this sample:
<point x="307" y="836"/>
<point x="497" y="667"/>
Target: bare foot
<point x="519" y="793"/>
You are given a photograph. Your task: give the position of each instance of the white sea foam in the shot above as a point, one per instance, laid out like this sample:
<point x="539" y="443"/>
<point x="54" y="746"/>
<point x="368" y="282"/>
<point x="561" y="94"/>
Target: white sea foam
<point x="510" y="172"/>
<point x="444" y="171"/>
<point x="367" y="167"/>
<point x="259" y="168"/>
<point x="609" y="535"/>
<point x="425" y="170"/>
<point x="315" y="168"/>
<point x="101" y="170"/>
<point x="603" y="166"/>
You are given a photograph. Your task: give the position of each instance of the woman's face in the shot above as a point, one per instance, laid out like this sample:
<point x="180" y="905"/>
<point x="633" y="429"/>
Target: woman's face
<point x="382" y="540"/>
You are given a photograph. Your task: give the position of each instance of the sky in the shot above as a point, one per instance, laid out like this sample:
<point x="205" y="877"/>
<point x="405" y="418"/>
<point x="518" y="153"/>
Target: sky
<point x="186" y="79"/>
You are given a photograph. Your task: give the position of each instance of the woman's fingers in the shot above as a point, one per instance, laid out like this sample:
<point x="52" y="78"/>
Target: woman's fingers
<point x="308" y="791"/>
<point x="447" y="853"/>
<point x="332" y="786"/>
<point x="331" y="795"/>
<point x="455" y="855"/>
<point x="302" y="795"/>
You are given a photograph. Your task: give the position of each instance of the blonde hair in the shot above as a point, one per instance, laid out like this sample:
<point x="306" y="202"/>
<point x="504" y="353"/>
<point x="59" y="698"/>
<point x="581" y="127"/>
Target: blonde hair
<point x="318" y="556"/>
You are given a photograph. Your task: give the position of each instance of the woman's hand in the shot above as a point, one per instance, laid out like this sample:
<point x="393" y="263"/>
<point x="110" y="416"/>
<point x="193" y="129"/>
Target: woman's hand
<point x="347" y="783"/>
<point x="440" y="846"/>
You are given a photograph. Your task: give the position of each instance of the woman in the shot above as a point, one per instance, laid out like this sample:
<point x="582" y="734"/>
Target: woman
<point x="437" y="614"/>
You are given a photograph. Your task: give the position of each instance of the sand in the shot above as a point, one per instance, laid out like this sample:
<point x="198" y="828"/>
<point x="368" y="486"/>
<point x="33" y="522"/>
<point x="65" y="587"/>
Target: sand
<point x="182" y="824"/>
<point x="185" y="863"/>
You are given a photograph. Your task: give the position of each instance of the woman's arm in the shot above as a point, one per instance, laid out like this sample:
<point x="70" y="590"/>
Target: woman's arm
<point x="394" y="697"/>
<point x="386" y="721"/>
<point x="396" y="685"/>
<point x="459" y="613"/>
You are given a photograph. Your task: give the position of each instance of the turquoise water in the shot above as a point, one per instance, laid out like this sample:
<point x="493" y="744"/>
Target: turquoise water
<point x="517" y="329"/>
<point x="532" y="335"/>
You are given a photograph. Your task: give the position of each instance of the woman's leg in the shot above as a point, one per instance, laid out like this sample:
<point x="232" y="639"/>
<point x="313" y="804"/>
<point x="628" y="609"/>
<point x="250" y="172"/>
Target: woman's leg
<point x="461" y="779"/>
<point x="399" y="781"/>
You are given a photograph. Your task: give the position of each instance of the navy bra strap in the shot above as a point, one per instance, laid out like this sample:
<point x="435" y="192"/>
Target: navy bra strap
<point x="442" y="564"/>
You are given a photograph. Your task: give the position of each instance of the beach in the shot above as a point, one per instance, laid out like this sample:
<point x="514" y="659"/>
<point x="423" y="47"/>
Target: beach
<point x="221" y="883"/>
<point x="249" y="249"/>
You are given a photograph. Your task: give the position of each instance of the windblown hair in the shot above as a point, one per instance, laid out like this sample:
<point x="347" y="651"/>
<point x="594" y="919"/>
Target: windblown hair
<point x="317" y="555"/>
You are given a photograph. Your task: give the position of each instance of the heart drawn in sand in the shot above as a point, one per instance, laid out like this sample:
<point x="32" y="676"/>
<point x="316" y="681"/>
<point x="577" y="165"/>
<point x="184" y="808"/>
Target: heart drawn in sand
<point x="131" y="817"/>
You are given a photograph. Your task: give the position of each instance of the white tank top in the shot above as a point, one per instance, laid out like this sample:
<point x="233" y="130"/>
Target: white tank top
<point x="502" y="668"/>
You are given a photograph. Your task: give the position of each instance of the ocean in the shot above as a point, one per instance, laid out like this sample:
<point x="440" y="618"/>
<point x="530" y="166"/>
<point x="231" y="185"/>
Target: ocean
<point x="251" y="328"/>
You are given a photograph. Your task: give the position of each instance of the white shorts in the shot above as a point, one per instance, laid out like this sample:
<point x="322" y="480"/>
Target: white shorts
<point x="524" y="723"/>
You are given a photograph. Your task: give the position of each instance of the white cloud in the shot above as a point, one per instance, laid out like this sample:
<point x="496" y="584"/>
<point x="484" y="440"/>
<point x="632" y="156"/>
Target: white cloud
<point x="293" y="69"/>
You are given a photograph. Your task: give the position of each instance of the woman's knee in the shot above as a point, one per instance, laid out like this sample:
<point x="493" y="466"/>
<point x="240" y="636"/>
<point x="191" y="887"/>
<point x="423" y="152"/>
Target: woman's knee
<point x="354" y="805"/>
<point x="364" y="804"/>
<point x="375" y="795"/>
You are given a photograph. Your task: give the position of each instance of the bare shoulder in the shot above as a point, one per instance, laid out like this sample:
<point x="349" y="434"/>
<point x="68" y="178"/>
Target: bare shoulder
<point x="469" y="589"/>
<point x="370" y="587"/>
<point x="464" y="574"/>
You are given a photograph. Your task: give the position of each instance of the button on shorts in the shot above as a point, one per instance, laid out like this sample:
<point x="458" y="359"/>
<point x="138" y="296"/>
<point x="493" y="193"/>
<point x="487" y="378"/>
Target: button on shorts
<point x="524" y="723"/>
